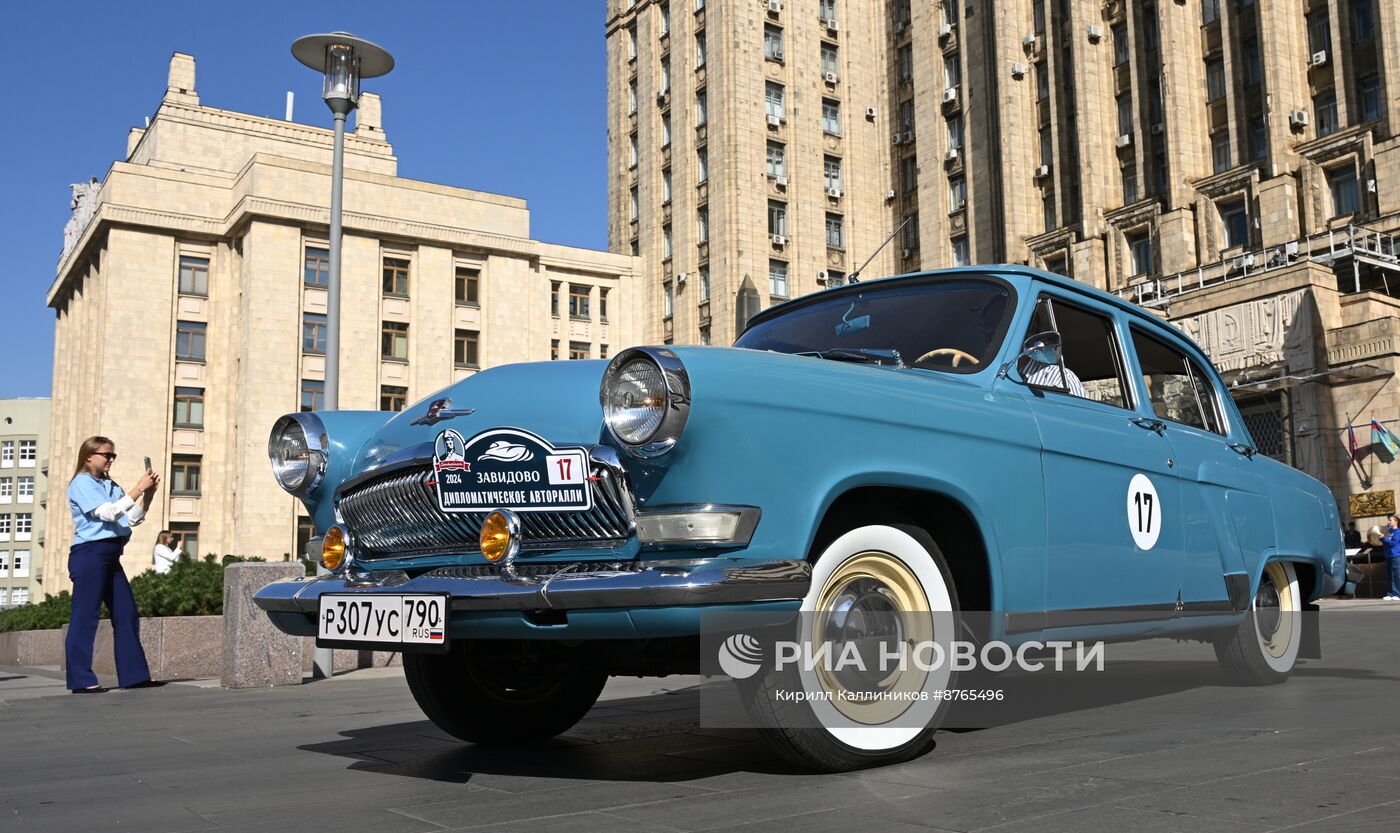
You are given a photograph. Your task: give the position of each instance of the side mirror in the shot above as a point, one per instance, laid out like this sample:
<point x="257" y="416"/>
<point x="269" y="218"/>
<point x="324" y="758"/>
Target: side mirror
<point x="1043" y="348"/>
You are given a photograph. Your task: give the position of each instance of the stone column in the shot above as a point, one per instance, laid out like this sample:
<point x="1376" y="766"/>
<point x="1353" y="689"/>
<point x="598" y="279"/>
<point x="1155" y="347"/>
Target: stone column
<point x="256" y="653"/>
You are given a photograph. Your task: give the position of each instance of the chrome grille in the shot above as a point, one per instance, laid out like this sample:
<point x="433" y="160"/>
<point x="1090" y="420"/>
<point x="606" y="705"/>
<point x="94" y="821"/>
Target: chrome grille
<point x="397" y="514"/>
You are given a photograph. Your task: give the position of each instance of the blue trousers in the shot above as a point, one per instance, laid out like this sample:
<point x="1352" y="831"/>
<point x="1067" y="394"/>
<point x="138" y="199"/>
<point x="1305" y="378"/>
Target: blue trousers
<point x="1394" y="565"/>
<point x="96" y="570"/>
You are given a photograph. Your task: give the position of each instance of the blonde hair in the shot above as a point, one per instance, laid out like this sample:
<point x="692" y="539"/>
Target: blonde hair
<point x="87" y="449"/>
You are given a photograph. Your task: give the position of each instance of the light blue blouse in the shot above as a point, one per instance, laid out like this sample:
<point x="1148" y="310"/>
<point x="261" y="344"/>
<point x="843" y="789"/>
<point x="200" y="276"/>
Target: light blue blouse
<point x="85" y="494"/>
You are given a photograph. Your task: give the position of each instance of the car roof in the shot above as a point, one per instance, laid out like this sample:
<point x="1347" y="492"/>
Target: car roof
<point x="1015" y="274"/>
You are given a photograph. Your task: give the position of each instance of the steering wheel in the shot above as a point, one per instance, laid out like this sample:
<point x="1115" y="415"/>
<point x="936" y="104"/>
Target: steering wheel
<point x="959" y="356"/>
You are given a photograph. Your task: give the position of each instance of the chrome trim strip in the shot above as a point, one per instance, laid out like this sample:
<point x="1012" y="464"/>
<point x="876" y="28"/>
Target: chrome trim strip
<point x="568" y="586"/>
<point x="743" y="533"/>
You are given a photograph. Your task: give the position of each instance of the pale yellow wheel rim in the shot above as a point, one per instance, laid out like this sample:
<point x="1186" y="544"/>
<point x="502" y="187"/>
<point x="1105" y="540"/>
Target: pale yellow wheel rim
<point x="1277" y="642"/>
<point x="883" y="581"/>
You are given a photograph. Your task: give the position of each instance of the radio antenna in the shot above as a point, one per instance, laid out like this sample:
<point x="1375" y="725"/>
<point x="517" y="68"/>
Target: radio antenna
<point x="855" y="276"/>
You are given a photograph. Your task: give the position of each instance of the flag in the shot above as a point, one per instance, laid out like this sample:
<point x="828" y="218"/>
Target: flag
<point x="1379" y="434"/>
<point x="1351" y="442"/>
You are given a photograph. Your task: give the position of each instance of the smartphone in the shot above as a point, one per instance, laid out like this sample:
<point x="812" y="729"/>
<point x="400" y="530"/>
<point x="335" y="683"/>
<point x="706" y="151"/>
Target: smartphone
<point x="148" y="464"/>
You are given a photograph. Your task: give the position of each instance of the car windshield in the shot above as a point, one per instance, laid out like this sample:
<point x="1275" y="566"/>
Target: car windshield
<point x="949" y="324"/>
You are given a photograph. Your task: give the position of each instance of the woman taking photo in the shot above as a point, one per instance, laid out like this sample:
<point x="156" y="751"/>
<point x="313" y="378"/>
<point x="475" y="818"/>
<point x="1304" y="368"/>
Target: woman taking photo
<point x="102" y="518"/>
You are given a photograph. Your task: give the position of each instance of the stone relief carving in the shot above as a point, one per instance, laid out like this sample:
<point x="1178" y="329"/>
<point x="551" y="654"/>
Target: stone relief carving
<point x="83" y="205"/>
<point x="1258" y="333"/>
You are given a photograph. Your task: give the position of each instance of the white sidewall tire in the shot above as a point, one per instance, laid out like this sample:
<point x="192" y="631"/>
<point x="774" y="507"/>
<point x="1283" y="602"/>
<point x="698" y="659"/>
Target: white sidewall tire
<point x="903" y="546"/>
<point x="1293" y="614"/>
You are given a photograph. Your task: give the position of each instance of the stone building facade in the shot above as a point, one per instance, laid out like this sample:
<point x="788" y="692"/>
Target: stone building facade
<point x="1232" y="164"/>
<point x="24" y="470"/>
<point x="190" y="308"/>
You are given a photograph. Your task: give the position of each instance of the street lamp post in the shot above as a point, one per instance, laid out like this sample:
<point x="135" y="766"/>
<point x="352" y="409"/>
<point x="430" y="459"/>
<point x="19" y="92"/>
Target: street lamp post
<point x="343" y="59"/>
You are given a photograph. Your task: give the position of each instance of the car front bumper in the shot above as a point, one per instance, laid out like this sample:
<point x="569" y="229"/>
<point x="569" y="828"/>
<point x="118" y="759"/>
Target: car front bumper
<point x="567" y="586"/>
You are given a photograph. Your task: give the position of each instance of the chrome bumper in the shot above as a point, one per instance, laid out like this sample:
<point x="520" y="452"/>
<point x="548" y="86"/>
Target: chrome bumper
<point x="573" y="586"/>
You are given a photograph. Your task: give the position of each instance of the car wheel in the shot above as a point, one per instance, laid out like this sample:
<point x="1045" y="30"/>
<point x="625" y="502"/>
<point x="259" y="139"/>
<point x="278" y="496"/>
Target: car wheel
<point x="880" y="582"/>
<point x="499" y="692"/>
<point x="1264" y="649"/>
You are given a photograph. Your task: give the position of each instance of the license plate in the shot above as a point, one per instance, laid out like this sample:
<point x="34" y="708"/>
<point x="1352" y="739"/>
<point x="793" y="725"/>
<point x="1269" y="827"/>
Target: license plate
<point x="507" y="468"/>
<point x="406" y="619"/>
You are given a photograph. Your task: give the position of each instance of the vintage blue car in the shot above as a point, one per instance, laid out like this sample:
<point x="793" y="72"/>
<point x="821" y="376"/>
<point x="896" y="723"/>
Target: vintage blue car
<point x="993" y="439"/>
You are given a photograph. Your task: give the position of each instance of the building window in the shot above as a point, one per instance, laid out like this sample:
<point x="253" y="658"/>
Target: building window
<point x="1139" y="254"/>
<point x="467" y="287"/>
<point x="603" y="304"/>
<point x="1215" y="79"/>
<point x="668" y="300"/>
<point x="1059" y="264"/>
<point x="189" y="340"/>
<point x="189" y="407"/>
<point x="1047" y="148"/>
<point x="666" y="249"/>
<point x="25" y="486"/>
<point x="1320" y="32"/>
<point x="911" y="232"/>
<point x="705" y="335"/>
<point x="701" y="108"/>
<point x="194" y="276"/>
<point x="665" y="75"/>
<point x="1149" y="27"/>
<point x="1129" y="177"/>
<point x="1252" y="75"/>
<point x="831" y="171"/>
<point x="632" y="43"/>
<point x="21" y="570"/>
<point x="955" y="132"/>
<point x="1042" y="81"/>
<point x="702" y="165"/>
<point x="664" y="10"/>
<point x="4" y="527"/>
<point x="831" y="116"/>
<point x="1038" y="16"/>
<point x="396" y="277"/>
<point x="578" y="350"/>
<point x="835" y="231"/>
<point x="699" y="49"/>
<point x="393" y="341"/>
<point x="632" y="208"/>
<point x="772" y="43"/>
<point x="665" y="185"/>
<point x="1125" y="114"/>
<point x="1325" y="108"/>
<point x="773" y="100"/>
<point x="465" y="344"/>
<point x="1234" y="218"/>
<point x="632" y="150"/>
<point x="909" y="174"/>
<point x="554" y="298"/>
<point x="313" y="333"/>
<point x="904" y="63"/>
<point x="906" y="115"/>
<point x="777" y="218"/>
<point x="1210" y="11"/>
<point x="826" y="9"/>
<point x="1258" y="135"/>
<point x="1047" y="210"/>
<point x="1120" y="44"/>
<point x="393" y="398"/>
<point x="189" y="538"/>
<point x="316" y="268"/>
<point x="957" y="193"/>
<point x="184" y="474"/>
<point x="830" y="62"/>
<point x="28" y="452"/>
<point x="313" y="395"/>
<point x="554" y="349"/>
<point x="632" y="97"/>
<point x="704" y="283"/>
<point x="602" y="351"/>
<point x="1363" y="22"/>
<point x="7" y="489"/>
<point x="578" y="300"/>
<point x="1220" y="150"/>
<point x="7" y="453"/>
<point x="778" y="278"/>
<point x="665" y="129"/>
<point x="960" y="252"/>
<point x="702" y="217"/>
<point x="952" y="71"/>
<point x="1342" y="184"/>
<point x="1368" y="89"/>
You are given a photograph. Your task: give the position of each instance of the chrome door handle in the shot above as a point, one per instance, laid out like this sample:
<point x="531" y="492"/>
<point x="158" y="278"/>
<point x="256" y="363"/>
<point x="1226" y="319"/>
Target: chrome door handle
<point x="1241" y="448"/>
<point x="1147" y="423"/>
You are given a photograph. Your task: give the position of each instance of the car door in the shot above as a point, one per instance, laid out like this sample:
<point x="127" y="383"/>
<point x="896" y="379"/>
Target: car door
<point x="1225" y="505"/>
<point x="1113" y="518"/>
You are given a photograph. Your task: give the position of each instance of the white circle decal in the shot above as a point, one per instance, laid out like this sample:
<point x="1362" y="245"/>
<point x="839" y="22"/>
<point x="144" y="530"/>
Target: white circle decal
<point x="1144" y="512"/>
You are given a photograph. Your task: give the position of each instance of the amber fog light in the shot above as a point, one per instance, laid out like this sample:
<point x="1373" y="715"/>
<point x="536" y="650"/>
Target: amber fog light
<point x="333" y="548"/>
<point x="500" y="535"/>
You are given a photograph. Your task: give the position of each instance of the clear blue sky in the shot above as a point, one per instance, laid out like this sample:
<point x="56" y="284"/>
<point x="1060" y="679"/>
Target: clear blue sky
<point x="501" y="96"/>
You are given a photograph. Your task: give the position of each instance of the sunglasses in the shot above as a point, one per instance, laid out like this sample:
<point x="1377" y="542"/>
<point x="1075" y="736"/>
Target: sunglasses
<point x="110" y="455"/>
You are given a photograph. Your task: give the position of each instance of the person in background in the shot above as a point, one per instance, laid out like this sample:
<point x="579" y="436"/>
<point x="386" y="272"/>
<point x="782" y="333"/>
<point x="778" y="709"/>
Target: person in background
<point x="1391" y="540"/>
<point x="102" y="519"/>
<point x="1351" y="539"/>
<point x="167" y="550"/>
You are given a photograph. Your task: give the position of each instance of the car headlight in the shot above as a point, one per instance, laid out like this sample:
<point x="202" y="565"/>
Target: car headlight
<point x="646" y="399"/>
<point x="297" y="449"/>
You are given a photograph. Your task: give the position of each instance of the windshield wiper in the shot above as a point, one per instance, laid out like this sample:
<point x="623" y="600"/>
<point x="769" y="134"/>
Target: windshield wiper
<point x="861" y="355"/>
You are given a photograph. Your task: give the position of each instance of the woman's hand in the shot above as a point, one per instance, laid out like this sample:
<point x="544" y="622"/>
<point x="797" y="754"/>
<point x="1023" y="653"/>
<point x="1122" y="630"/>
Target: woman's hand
<point x="155" y="483"/>
<point x="146" y="483"/>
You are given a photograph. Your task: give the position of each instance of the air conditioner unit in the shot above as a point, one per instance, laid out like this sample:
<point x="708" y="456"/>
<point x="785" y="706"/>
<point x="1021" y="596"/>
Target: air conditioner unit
<point x="894" y="138"/>
<point x="774" y="121"/>
<point x="831" y="78"/>
<point x="834" y="193"/>
<point x="1029" y="41"/>
<point x="1042" y="171"/>
<point x="870" y="112"/>
<point x="821" y="276"/>
<point x="951" y="155"/>
<point x="1370" y="186"/>
<point x="1290" y="249"/>
<point x="661" y="95"/>
<point x="906" y="253"/>
<point x="889" y="195"/>
<point x="1298" y="118"/>
<point x="906" y="137"/>
<point x="830" y="24"/>
<point x="1247" y="261"/>
<point x="682" y="276"/>
<point x="1125" y="139"/>
<point x="1095" y="32"/>
<point x="779" y="240"/>
<point x="1319" y="58"/>
<point x="780" y="181"/>
<point x="1157" y="129"/>
<point x="950" y="95"/>
<point x="775" y="6"/>
<point x="945" y="29"/>
<point x="1018" y="70"/>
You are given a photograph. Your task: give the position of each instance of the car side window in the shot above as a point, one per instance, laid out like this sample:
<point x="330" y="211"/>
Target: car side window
<point x="1091" y="365"/>
<point x="1177" y="386"/>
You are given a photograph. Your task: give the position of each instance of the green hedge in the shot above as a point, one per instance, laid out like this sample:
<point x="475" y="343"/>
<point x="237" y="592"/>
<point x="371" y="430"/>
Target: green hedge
<point x="191" y="588"/>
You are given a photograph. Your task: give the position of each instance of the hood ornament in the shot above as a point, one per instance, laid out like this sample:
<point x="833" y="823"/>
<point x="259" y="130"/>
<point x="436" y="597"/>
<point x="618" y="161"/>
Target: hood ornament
<point x="439" y="410"/>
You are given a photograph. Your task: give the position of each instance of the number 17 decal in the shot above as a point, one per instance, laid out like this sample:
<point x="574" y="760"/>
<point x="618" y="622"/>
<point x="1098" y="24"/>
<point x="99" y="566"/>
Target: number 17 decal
<point x="1144" y="512"/>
